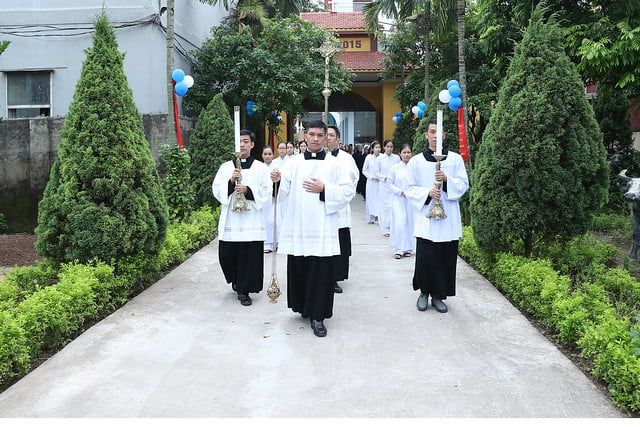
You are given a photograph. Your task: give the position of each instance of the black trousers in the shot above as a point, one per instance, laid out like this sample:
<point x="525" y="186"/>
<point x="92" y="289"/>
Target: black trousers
<point x="435" y="269"/>
<point x="243" y="265"/>
<point x="310" y="283"/>
<point x="342" y="261"/>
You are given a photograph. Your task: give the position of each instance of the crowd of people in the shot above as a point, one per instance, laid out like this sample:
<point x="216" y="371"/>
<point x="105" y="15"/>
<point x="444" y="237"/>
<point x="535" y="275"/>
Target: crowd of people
<point x="299" y="205"/>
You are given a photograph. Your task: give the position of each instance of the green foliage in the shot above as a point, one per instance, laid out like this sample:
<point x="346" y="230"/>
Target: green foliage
<point x="29" y="279"/>
<point x="177" y="181"/>
<point x="14" y="350"/>
<point x="3" y="223"/>
<point x="211" y="144"/>
<point x="611" y="222"/>
<point x="635" y="338"/>
<point x="541" y="169"/>
<point x="103" y="199"/>
<point x="277" y="70"/>
<point x="573" y="258"/>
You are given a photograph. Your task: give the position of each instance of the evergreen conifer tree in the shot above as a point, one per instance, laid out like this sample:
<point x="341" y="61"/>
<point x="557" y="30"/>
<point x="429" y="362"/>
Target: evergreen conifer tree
<point x="210" y="145"/>
<point x="612" y="113"/>
<point x="541" y="170"/>
<point x="103" y="199"/>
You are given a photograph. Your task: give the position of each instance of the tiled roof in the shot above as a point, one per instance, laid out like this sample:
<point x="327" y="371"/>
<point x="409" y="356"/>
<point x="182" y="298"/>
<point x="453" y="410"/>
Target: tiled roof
<point x="336" y="20"/>
<point x="362" y="61"/>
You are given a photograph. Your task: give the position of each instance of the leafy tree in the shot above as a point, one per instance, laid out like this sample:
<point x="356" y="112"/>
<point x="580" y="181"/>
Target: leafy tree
<point x="103" y="199"/>
<point x="277" y="70"/>
<point x="211" y="144"/>
<point x="609" y="45"/>
<point x="611" y="108"/>
<point x="541" y="169"/>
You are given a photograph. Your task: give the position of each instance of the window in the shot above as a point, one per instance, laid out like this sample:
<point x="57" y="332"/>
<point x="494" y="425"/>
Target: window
<point x="28" y="94"/>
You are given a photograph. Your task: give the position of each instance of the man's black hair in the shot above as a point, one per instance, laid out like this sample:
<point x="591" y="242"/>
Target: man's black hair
<point x="252" y="135"/>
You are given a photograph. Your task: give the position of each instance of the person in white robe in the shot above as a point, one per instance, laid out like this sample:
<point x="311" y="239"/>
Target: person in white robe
<point x="316" y="188"/>
<point x="280" y="161"/>
<point x="241" y="235"/>
<point x="387" y="160"/>
<point x="344" y="214"/>
<point x="371" y="170"/>
<point x="437" y="239"/>
<point x="401" y="221"/>
<point x="271" y="218"/>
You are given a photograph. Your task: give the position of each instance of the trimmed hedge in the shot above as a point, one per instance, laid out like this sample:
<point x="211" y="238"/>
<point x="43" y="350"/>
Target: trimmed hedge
<point x="42" y="308"/>
<point x="595" y="315"/>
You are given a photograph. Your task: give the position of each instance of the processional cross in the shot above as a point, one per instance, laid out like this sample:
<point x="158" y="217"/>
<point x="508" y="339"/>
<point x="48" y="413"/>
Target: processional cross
<point x="327" y="49"/>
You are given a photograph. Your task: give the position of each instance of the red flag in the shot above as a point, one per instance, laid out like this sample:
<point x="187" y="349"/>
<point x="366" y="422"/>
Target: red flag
<point x="462" y="136"/>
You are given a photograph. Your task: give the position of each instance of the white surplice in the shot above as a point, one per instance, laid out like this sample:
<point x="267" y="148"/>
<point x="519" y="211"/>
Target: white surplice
<point x="384" y="191"/>
<point x="401" y="226"/>
<point x="245" y="226"/>
<point x="347" y="162"/>
<point x="420" y="180"/>
<point x="309" y="225"/>
<point x="371" y="169"/>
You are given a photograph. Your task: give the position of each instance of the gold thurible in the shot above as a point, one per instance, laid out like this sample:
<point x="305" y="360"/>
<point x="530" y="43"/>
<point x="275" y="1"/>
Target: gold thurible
<point x="437" y="209"/>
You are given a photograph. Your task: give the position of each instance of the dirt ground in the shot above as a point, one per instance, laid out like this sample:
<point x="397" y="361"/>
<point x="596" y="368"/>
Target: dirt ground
<point x="17" y="250"/>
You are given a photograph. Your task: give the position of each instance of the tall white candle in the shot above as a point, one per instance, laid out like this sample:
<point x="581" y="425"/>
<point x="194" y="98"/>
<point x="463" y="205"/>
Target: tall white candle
<point x="236" y="124"/>
<point x="439" y="131"/>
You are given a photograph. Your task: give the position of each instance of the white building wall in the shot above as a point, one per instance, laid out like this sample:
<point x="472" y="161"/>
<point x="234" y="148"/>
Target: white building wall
<point x="53" y="35"/>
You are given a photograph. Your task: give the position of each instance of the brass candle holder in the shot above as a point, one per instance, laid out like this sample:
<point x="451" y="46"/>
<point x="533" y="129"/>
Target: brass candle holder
<point x="437" y="209"/>
<point x="240" y="202"/>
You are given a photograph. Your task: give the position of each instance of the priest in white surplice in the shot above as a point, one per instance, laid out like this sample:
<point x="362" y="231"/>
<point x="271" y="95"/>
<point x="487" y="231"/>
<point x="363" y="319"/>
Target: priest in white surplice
<point x="437" y="239"/>
<point x="344" y="215"/>
<point x="242" y="234"/>
<point x="315" y="188"/>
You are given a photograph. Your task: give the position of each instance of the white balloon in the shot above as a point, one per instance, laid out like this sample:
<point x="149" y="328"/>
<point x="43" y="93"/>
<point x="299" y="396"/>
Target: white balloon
<point x="415" y="109"/>
<point x="394" y="119"/>
<point x="188" y="80"/>
<point x="444" y="96"/>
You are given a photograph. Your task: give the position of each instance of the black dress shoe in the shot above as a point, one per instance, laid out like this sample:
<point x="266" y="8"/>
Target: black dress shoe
<point x="423" y="302"/>
<point x="337" y="289"/>
<point x="318" y="328"/>
<point x="244" y="299"/>
<point x="440" y="306"/>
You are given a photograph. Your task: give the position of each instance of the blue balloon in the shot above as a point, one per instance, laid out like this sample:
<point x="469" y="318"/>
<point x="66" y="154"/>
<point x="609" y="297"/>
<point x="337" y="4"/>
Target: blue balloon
<point x="177" y="75"/>
<point x="455" y="103"/>
<point x="452" y="83"/>
<point x="398" y="114"/>
<point x="181" y="88"/>
<point x="455" y="91"/>
<point x="420" y="114"/>
<point x="422" y="105"/>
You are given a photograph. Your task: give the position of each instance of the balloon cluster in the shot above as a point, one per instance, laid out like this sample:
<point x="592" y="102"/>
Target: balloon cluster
<point x="451" y="95"/>
<point x="251" y="107"/>
<point x="182" y="82"/>
<point x="396" y="119"/>
<point x="418" y="109"/>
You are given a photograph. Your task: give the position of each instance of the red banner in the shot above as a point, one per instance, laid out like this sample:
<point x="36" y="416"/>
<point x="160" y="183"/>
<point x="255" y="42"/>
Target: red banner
<point x="462" y="136"/>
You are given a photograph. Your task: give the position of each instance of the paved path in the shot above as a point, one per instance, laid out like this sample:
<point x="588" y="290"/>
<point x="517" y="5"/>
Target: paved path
<point x="185" y="347"/>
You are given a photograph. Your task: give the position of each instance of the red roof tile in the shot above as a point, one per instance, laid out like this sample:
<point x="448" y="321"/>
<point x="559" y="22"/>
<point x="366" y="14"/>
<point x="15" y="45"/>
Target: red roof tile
<point x="336" y="20"/>
<point x="362" y="61"/>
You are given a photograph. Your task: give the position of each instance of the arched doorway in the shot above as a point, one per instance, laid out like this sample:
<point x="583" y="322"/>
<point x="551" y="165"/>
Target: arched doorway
<point x="354" y="115"/>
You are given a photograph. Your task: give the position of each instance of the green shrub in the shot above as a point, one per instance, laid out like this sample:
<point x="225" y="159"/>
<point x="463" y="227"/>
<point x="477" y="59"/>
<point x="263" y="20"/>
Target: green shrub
<point x="622" y="289"/>
<point x="469" y="250"/>
<point x="611" y="222"/>
<point x="3" y="223"/>
<point x="14" y="351"/>
<point x="577" y="257"/>
<point x="103" y="199"/>
<point x="571" y="318"/>
<point x="177" y="181"/>
<point x="29" y="279"/>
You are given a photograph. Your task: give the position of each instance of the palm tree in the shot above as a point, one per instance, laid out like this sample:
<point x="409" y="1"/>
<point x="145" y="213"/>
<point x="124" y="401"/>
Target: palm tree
<point x="255" y="13"/>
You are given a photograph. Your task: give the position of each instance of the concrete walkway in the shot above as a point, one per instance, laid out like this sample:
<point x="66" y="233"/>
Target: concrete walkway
<point x="185" y="347"/>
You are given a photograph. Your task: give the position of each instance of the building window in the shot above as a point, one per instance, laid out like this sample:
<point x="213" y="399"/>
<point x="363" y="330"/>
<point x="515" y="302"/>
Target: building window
<point x="28" y="94"/>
